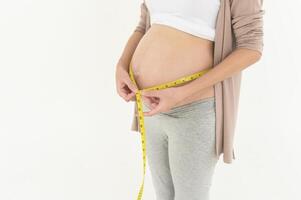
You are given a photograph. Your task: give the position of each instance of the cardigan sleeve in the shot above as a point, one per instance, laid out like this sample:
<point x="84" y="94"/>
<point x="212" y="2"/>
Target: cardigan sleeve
<point x="247" y="23"/>
<point x="141" y="26"/>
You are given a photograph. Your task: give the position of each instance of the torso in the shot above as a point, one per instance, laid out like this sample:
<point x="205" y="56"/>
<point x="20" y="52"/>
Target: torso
<point x="165" y="54"/>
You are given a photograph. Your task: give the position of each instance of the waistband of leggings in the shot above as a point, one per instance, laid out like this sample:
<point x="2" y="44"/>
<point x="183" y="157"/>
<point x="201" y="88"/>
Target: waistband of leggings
<point x="191" y="104"/>
<point x="184" y="106"/>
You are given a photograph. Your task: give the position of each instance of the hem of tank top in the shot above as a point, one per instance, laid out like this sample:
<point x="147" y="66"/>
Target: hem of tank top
<point x="187" y="29"/>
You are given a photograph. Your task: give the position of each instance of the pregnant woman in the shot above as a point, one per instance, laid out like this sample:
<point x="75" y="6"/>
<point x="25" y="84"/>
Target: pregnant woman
<point x="188" y="126"/>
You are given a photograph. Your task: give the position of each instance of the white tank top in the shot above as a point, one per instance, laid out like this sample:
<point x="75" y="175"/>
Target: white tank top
<point x="197" y="17"/>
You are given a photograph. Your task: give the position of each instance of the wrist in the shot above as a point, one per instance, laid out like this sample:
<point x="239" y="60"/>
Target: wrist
<point x="122" y="65"/>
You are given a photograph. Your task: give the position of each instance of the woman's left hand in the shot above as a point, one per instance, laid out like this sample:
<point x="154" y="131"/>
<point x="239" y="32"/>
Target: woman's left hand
<point x="161" y="100"/>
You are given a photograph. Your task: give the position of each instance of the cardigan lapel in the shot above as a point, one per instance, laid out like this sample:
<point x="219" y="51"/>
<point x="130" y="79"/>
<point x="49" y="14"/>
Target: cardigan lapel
<point x="218" y="51"/>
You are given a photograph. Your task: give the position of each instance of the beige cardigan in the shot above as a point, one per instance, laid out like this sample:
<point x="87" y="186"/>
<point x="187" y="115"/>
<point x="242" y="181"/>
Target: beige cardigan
<point x="239" y="25"/>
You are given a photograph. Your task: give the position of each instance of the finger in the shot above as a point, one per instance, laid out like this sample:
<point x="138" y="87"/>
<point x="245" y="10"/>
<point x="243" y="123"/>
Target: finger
<point x="131" y="86"/>
<point x="122" y="91"/>
<point x="154" y="105"/>
<point x="153" y="102"/>
<point x="122" y="95"/>
<point x="155" y="99"/>
<point x="129" y="96"/>
<point x="133" y="98"/>
<point x="147" y="101"/>
<point x="153" y="111"/>
<point x="125" y="92"/>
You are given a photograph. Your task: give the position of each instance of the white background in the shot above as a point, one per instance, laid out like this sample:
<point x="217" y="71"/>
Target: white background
<point x="65" y="133"/>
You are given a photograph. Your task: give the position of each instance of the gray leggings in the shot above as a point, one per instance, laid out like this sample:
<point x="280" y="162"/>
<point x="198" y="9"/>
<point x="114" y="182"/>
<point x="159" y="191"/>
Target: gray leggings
<point x="180" y="150"/>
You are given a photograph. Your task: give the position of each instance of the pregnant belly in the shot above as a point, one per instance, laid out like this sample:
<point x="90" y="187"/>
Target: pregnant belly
<point x="165" y="54"/>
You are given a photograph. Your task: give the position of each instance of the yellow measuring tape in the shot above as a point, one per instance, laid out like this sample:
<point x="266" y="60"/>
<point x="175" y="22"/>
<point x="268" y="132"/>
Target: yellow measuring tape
<point x="140" y="110"/>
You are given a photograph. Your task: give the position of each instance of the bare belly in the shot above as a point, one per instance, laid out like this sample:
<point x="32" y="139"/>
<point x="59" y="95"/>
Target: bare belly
<point x="165" y="54"/>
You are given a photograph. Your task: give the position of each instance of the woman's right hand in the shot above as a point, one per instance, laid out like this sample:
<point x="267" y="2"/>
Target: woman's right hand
<point x="124" y="85"/>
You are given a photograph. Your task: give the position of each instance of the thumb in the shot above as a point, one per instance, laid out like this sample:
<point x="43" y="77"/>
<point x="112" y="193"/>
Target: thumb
<point x="131" y="85"/>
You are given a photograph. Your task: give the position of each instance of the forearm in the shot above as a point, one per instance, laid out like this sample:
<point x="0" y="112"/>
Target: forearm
<point x="129" y="49"/>
<point x="238" y="60"/>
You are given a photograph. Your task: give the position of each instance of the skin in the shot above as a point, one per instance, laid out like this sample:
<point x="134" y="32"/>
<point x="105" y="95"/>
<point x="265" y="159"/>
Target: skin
<point x="164" y="100"/>
<point x="124" y="86"/>
<point x="238" y="60"/>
